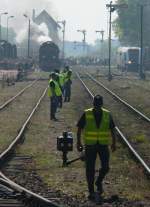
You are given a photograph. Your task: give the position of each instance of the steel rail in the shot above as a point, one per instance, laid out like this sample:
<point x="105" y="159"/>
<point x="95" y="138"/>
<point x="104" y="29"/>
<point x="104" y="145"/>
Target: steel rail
<point x="6" y="181"/>
<point x="121" y="100"/>
<point x="21" y="131"/>
<point x="26" y="194"/>
<point x="132" y="150"/>
<point x="18" y="94"/>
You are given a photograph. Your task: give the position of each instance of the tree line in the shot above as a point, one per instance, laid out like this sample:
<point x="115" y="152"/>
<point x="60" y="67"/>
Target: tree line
<point x="128" y="23"/>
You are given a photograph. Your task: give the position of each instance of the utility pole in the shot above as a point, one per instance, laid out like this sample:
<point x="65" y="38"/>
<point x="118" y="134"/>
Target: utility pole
<point x="29" y="34"/>
<point x="141" y="57"/>
<point x="63" y="31"/>
<point x="84" y="38"/>
<point x="141" y="73"/>
<point x="102" y="40"/>
<point x="102" y="34"/>
<point x="112" y="7"/>
<point x="5" y="13"/>
<point x="8" y="26"/>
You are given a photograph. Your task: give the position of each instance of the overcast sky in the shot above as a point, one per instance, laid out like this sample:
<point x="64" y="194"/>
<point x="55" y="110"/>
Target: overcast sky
<point x="83" y="14"/>
<point x="90" y="15"/>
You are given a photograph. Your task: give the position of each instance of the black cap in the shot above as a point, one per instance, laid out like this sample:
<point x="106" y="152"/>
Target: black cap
<point x="98" y="100"/>
<point x="53" y="75"/>
<point x="67" y="67"/>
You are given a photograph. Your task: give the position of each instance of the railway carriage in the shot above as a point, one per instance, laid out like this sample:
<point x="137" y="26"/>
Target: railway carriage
<point x="7" y="50"/>
<point x="128" y="58"/>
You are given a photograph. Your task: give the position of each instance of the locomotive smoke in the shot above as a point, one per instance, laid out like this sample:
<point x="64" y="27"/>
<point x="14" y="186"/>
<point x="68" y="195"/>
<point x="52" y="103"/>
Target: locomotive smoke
<point x="17" y="8"/>
<point x="39" y="34"/>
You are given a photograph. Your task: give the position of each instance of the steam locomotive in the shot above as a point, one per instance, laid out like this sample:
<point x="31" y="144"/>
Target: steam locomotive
<point x="49" y="56"/>
<point x="7" y="50"/>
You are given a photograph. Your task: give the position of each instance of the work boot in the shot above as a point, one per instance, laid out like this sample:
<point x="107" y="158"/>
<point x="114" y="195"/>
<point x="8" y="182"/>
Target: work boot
<point x="98" y="198"/>
<point x="99" y="187"/>
<point x="55" y="119"/>
<point x="91" y="196"/>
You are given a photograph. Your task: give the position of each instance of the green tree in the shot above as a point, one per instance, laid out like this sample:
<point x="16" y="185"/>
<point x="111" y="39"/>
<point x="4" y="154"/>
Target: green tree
<point x="127" y="24"/>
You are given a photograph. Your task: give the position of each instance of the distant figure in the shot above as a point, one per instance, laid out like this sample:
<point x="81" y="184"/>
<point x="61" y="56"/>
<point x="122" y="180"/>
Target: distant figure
<point x="20" y="73"/>
<point x="60" y="80"/>
<point x="67" y="85"/>
<point x="98" y="129"/>
<point x="54" y="92"/>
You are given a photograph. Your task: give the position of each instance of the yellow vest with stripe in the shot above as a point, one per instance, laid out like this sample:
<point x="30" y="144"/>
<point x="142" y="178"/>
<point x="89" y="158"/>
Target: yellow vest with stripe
<point x="93" y="134"/>
<point x="67" y="76"/>
<point x="58" y="91"/>
<point x="61" y="79"/>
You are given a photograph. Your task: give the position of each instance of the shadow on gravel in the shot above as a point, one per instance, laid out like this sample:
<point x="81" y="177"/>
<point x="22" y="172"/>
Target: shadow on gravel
<point x="115" y="201"/>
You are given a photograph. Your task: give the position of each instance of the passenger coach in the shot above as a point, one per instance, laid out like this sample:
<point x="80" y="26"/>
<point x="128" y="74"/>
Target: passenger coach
<point x="128" y="58"/>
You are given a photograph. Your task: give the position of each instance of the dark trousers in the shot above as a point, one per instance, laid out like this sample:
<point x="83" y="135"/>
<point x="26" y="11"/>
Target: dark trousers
<point x="60" y="101"/>
<point x="67" y="93"/>
<point x="53" y="106"/>
<point x="91" y="152"/>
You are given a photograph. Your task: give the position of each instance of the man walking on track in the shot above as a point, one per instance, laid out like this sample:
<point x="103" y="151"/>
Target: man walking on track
<point x="98" y="130"/>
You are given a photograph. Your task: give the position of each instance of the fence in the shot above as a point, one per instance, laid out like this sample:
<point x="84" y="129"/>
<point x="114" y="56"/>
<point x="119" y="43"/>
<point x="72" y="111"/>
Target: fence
<point x="8" y="77"/>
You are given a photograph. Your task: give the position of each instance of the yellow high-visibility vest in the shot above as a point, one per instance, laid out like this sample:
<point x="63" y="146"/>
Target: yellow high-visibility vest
<point x="57" y="91"/>
<point x="68" y="76"/>
<point x="61" y="79"/>
<point x="94" y="135"/>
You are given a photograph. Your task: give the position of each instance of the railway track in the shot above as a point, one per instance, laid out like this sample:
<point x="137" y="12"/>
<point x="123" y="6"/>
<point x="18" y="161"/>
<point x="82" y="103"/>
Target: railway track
<point x="17" y="111"/>
<point x="143" y="116"/>
<point x="12" y="194"/>
<point x="4" y="105"/>
<point x="122" y="136"/>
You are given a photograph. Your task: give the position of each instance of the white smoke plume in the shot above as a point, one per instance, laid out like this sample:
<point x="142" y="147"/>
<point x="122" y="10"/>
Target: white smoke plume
<point x="44" y="33"/>
<point x="18" y="8"/>
<point x="38" y="35"/>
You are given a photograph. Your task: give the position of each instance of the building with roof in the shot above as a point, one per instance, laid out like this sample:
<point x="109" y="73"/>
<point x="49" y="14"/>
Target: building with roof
<point x="51" y="23"/>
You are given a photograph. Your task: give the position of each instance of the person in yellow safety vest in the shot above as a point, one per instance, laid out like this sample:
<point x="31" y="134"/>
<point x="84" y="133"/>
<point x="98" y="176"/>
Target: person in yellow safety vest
<point x="67" y="86"/>
<point x="98" y="129"/>
<point x="64" y="73"/>
<point x="54" y="91"/>
<point x="60" y="80"/>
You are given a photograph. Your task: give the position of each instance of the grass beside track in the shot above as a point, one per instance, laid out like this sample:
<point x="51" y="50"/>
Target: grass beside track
<point x="134" y="91"/>
<point x="12" y="118"/>
<point x="10" y="91"/>
<point x="125" y="178"/>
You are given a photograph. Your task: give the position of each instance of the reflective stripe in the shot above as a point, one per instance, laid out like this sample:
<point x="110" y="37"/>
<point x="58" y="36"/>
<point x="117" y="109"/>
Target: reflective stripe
<point x="89" y="138"/>
<point x="67" y="76"/>
<point x="61" y="79"/>
<point x="95" y="133"/>
<point x="89" y="116"/>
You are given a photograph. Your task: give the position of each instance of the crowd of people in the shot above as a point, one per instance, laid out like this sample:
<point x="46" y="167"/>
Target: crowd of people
<point x="59" y="90"/>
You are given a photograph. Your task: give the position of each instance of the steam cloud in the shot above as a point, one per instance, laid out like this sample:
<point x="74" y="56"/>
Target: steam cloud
<point x="17" y="8"/>
<point x="39" y="34"/>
